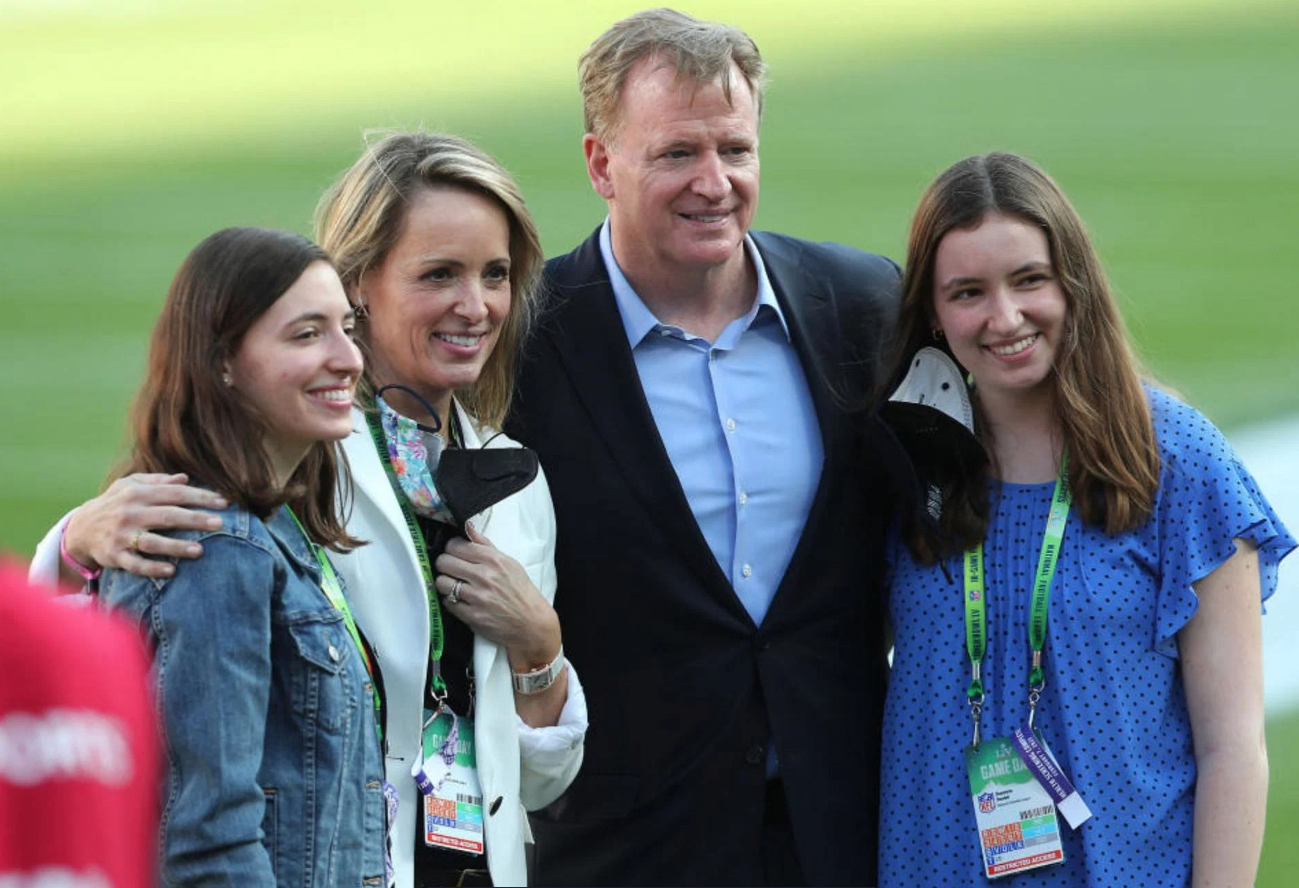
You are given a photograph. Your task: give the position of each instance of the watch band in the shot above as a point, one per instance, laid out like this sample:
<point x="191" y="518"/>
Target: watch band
<point x="538" y="680"/>
<point x="86" y="573"/>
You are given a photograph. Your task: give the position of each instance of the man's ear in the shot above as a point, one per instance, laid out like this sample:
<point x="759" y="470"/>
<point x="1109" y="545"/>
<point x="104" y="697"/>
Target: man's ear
<point x="597" y="165"/>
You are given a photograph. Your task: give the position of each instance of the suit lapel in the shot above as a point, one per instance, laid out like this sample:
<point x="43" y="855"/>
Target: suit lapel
<point x="813" y="327"/>
<point x="815" y="332"/>
<point x="587" y="332"/>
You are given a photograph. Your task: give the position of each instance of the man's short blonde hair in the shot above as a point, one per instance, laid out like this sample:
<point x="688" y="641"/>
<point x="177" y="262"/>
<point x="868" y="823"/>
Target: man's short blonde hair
<point x="698" y="51"/>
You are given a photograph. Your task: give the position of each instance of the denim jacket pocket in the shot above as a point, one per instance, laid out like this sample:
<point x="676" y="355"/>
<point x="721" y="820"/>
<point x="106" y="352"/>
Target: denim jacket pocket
<point x="319" y="685"/>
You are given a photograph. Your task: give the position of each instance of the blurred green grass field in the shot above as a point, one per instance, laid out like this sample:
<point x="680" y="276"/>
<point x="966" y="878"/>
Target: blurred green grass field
<point x="130" y="130"/>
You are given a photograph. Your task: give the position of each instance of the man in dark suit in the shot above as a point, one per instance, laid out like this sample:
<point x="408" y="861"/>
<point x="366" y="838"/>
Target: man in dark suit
<point x="719" y="533"/>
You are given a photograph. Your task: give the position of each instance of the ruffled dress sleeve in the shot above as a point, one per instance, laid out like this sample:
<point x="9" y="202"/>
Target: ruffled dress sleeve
<point x="1206" y="499"/>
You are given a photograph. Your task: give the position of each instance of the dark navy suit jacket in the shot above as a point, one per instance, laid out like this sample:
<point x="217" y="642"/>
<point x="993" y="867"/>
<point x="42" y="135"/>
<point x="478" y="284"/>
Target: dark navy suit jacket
<point x="684" y="690"/>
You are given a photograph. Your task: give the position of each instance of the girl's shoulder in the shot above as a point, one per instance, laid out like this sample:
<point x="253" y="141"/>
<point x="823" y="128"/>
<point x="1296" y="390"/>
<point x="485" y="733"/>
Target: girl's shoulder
<point x="241" y="534"/>
<point x="1188" y="441"/>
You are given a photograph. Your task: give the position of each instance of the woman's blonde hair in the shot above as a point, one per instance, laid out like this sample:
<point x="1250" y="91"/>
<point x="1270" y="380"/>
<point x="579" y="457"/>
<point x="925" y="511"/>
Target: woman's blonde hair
<point x="362" y="215"/>
<point x="1113" y="457"/>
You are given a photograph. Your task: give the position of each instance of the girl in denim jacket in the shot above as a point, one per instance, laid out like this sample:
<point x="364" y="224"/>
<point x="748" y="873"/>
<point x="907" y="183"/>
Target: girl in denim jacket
<point x="266" y="689"/>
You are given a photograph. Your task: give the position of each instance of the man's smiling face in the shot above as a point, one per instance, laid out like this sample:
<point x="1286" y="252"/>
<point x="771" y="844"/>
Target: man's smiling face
<point x="680" y="171"/>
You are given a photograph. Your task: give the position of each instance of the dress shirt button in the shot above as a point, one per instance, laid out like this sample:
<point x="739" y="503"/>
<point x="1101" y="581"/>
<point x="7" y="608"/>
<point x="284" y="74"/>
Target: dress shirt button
<point x="334" y="654"/>
<point x="744" y="498"/>
<point x="730" y="425"/>
<point x="756" y="755"/>
<point x="747" y="571"/>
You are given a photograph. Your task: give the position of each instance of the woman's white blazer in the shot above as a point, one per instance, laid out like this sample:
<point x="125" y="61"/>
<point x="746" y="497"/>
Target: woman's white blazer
<point x="520" y="768"/>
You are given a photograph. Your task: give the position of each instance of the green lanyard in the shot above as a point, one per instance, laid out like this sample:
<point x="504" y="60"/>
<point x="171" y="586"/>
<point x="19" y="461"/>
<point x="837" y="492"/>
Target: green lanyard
<point x="976" y="620"/>
<point x="437" y="638"/>
<point x="333" y="589"/>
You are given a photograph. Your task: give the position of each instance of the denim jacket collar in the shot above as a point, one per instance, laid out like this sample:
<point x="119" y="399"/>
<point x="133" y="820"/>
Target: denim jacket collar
<point x="284" y="530"/>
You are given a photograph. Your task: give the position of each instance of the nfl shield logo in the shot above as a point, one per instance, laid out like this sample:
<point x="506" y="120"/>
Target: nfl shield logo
<point x="987" y="803"/>
<point x="974" y="594"/>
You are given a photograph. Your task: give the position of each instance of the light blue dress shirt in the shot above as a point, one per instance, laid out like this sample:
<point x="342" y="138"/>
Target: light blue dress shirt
<point x="737" y="421"/>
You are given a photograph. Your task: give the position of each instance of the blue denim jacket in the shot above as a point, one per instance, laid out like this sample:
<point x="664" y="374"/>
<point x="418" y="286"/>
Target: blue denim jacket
<point x="275" y="774"/>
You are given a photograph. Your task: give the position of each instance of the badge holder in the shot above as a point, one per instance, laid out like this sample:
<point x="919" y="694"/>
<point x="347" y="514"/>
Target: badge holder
<point x="447" y="775"/>
<point x="1014" y="808"/>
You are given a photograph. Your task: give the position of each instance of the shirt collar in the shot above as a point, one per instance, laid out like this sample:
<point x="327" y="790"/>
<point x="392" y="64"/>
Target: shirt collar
<point x="638" y="321"/>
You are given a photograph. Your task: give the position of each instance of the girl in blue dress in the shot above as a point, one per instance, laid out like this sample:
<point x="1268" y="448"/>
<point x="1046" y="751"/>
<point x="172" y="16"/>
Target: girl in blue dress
<point x="1114" y="532"/>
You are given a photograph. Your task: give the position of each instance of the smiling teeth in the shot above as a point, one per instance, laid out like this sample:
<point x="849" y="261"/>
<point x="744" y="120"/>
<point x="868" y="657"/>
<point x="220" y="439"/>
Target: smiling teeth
<point x="335" y="395"/>
<point x="458" y="340"/>
<point x="1015" y="347"/>
<point x="699" y="218"/>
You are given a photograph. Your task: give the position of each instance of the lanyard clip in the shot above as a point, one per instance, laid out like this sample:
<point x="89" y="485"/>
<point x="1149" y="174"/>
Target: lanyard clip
<point x="976" y="698"/>
<point x="975" y="690"/>
<point x="437" y="685"/>
<point x="1036" y="684"/>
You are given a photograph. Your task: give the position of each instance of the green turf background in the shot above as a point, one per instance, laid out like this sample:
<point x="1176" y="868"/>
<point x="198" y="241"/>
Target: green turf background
<point x="131" y="129"/>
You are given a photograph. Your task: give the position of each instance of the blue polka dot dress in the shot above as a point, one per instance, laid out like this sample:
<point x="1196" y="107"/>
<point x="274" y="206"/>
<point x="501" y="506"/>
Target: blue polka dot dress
<point x="1113" y="711"/>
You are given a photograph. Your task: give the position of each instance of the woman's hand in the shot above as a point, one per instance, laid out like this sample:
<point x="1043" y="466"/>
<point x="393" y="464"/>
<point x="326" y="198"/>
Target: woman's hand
<point x="490" y="592"/>
<point x="115" y="529"/>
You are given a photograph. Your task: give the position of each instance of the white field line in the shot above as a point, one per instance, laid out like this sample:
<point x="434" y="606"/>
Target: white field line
<point x="1268" y="451"/>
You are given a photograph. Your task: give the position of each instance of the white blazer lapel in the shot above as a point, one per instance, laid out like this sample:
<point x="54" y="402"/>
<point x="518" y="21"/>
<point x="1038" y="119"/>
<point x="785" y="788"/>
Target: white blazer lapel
<point x="473" y="441"/>
<point x="486" y="654"/>
<point x="370" y="480"/>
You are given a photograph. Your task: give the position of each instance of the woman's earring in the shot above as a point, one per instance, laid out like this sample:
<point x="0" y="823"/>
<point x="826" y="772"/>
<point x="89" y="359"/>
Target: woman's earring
<point x="937" y="333"/>
<point x="225" y="377"/>
<point x="360" y="307"/>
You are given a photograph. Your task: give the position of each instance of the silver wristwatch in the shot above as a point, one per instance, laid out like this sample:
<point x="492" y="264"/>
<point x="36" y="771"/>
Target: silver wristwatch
<point x="539" y="680"/>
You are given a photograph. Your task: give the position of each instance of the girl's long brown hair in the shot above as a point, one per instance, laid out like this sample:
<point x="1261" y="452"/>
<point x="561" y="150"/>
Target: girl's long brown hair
<point x="1113" y="457"/>
<point x="185" y="419"/>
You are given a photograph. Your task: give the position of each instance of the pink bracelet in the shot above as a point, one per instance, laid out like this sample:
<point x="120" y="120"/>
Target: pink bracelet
<point x="86" y="573"/>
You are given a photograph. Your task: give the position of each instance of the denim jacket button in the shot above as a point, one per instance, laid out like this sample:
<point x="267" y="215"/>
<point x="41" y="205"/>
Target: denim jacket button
<point x="333" y="653"/>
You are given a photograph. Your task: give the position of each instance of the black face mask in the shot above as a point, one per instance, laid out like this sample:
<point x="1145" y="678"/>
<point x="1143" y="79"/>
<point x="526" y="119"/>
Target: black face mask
<point x="470" y="481"/>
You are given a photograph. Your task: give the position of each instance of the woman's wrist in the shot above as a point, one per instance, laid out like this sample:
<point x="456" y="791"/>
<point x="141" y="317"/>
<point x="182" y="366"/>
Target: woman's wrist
<point x="535" y="681"/>
<point x="540" y="649"/>
<point x="88" y="572"/>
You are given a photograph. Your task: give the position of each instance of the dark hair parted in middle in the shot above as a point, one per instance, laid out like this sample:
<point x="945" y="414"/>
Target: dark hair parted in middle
<point x="185" y="419"/>
<point x="1102" y="410"/>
